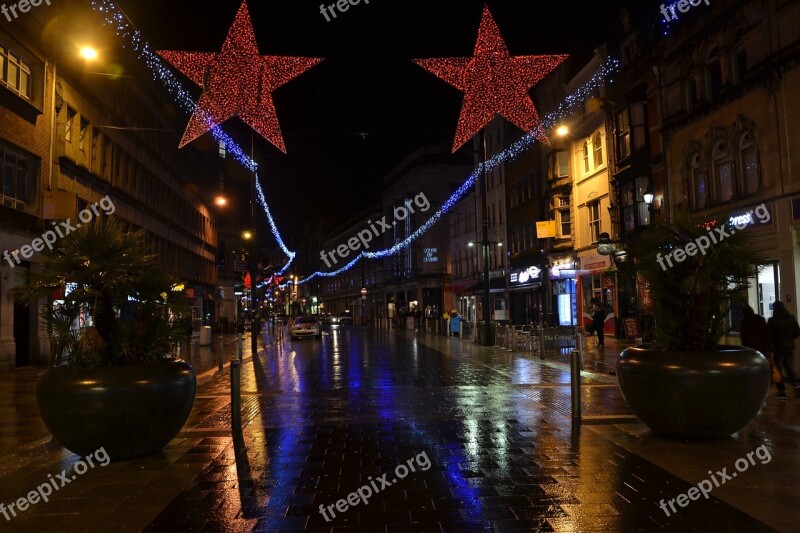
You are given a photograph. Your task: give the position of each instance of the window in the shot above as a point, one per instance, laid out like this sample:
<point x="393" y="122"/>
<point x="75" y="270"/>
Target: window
<point x="68" y="125"/>
<point x="714" y="73"/>
<point x="96" y="146"/>
<point x="15" y="174"/>
<point x="623" y="135"/>
<point x="82" y="135"/>
<point x="638" y="126"/>
<point x="561" y="165"/>
<point x="740" y="63"/>
<point x="723" y="172"/>
<point x="635" y="211"/>
<point x="586" y="157"/>
<point x="563" y="216"/>
<point x="594" y="221"/>
<point x="15" y="74"/>
<point x="748" y="164"/>
<point x="597" y="144"/>
<point x="699" y="185"/>
<point x="223" y="149"/>
<point x="691" y="93"/>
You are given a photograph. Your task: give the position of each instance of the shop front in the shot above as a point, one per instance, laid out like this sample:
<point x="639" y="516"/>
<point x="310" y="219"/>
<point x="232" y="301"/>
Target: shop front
<point x="525" y="289"/>
<point x="596" y="281"/>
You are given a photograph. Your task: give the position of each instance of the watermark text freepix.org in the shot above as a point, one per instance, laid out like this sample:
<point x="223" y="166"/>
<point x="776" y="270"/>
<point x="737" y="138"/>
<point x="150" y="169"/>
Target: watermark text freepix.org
<point x="705" y="487"/>
<point x="340" y="5"/>
<point x="363" y="494"/>
<point x="23" y="5"/>
<point x="714" y="236"/>
<point x="60" y="230"/>
<point x="376" y="229"/>
<point x="44" y="490"/>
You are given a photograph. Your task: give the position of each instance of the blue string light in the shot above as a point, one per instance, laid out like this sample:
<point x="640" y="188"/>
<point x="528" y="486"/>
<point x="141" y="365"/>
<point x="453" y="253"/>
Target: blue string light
<point x="564" y="110"/>
<point x="113" y="16"/>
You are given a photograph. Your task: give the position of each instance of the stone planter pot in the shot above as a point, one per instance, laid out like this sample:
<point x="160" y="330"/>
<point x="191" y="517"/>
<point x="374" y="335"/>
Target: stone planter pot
<point x="694" y="395"/>
<point x="128" y="410"/>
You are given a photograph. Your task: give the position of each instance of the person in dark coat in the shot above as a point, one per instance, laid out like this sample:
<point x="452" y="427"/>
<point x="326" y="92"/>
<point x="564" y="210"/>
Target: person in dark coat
<point x="599" y="314"/>
<point x="783" y="330"/>
<point x="754" y="333"/>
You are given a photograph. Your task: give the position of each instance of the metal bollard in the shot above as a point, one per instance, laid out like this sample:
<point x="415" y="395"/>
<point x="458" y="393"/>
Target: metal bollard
<point x="576" y="364"/>
<point x="541" y="342"/>
<point x="219" y="353"/>
<point x="236" y="396"/>
<point x="239" y="347"/>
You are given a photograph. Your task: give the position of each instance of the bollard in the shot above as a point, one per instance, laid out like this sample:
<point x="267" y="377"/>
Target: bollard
<point x="541" y="342"/>
<point x="239" y="347"/>
<point x="236" y="396"/>
<point x="575" y="361"/>
<point x="219" y="354"/>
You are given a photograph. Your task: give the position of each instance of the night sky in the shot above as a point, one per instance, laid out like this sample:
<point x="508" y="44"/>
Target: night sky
<point x="349" y="120"/>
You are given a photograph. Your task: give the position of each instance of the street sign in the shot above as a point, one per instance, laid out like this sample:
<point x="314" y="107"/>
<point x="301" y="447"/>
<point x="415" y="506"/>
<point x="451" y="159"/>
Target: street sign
<point x="363" y="291"/>
<point x="546" y="229"/>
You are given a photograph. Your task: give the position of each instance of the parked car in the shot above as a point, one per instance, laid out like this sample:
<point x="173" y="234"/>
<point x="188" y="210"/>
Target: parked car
<point x="305" y="326"/>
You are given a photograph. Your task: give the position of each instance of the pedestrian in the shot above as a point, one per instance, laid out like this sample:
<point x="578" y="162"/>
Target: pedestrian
<point x="754" y="333"/>
<point x="599" y="314"/>
<point x="783" y="330"/>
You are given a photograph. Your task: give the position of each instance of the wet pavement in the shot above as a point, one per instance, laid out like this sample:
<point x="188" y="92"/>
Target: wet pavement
<point x="484" y="436"/>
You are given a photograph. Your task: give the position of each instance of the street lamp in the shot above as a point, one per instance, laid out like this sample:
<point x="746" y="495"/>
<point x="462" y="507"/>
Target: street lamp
<point x="562" y="131"/>
<point x="88" y="53"/>
<point x="220" y="201"/>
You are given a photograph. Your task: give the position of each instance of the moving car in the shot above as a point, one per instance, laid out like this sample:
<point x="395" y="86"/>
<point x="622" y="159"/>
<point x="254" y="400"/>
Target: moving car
<point x="342" y="319"/>
<point x="305" y="326"/>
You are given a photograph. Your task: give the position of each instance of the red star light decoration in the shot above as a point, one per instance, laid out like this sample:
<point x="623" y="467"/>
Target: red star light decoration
<point x="494" y="83"/>
<point x="237" y="81"/>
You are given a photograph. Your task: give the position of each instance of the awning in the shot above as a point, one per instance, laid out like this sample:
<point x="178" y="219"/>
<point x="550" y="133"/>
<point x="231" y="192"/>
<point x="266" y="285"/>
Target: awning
<point x="495" y="285"/>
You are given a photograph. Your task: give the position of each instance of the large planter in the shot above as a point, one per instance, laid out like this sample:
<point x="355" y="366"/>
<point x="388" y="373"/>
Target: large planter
<point x="127" y="410"/>
<point x="694" y="395"/>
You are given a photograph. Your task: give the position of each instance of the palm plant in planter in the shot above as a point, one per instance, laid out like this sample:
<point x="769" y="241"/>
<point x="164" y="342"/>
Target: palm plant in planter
<point x="686" y="385"/>
<point x="114" y="382"/>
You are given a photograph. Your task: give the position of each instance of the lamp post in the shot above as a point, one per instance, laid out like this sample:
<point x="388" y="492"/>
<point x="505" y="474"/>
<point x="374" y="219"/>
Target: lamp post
<point x="487" y="294"/>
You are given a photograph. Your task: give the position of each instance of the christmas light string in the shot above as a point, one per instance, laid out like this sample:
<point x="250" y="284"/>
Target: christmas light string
<point x="565" y="109"/>
<point x="115" y="17"/>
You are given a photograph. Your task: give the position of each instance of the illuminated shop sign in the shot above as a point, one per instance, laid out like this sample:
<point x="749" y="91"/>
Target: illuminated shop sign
<point x="430" y="255"/>
<point x="525" y="276"/>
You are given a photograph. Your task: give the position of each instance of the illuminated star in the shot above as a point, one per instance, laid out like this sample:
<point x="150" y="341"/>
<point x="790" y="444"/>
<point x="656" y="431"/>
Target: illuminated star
<point x="494" y="83"/>
<point x="237" y="81"/>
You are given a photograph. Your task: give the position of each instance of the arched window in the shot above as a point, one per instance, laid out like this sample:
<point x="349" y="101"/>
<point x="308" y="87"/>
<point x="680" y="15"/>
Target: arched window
<point x="699" y="183"/>
<point x="597" y="144"/>
<point x="691" y="93"/>
<point x="748" y="163"/>
<point x="713" y="73"/>
<point x="723" y="171"/>
<point x="586" y="157"/>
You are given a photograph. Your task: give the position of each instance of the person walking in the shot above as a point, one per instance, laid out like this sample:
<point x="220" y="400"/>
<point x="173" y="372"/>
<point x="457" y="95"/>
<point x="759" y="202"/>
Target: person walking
<point x="599" y="314"/>
<point x="754" y="333"/>
<point x="783" y="330"/>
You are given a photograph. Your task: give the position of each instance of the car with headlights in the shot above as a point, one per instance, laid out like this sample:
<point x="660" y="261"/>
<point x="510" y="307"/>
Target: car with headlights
<point x="342" y="319"/>
<point x="305" y="326"/>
